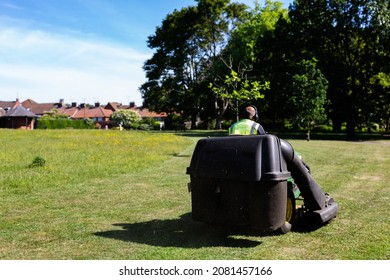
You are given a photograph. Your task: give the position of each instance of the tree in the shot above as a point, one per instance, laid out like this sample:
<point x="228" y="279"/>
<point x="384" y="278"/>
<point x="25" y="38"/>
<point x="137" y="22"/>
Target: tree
<point x="236" y="90"/>
<point x="262" y="46"/>
<point x="380" y="100"/>
<point x="125" y="118"/>
<point x="242" y="46"/>
<point x="350" y="40"/>
<point x="308" y="98"/>
<point x="186" y="44"/>
<point x="234" y="79"/>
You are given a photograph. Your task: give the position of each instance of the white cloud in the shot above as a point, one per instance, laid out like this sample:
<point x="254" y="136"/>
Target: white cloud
<point x="46" y="67"/>
<point x="11" y="6"/>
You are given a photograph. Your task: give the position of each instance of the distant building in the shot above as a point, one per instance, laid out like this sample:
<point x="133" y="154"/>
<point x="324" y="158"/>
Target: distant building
<point x="41" y="108"/>
<point x="143" y="112"/>
<point x="17" y="117"/>
<point x="98" y="113"/>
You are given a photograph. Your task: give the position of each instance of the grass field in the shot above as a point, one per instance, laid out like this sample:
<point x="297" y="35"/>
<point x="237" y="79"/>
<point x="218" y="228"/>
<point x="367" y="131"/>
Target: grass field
<point x="123" y="195"/>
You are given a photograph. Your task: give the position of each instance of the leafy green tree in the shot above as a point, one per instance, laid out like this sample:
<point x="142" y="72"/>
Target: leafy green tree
<point x="350" y="40"/>
<point x="234" y="79"/>
<point x="380" y="100"/>
<point x="125" y="118"/>
<point x="308" y="98"/>
<point x="241" y="49"/>
<point x="262" y="43"/>
<point x="236" y="90"/>
<point x="185" y="46"/>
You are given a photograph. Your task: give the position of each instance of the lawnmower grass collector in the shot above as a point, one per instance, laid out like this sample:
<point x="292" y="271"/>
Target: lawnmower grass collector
<point x="255" y="182"/>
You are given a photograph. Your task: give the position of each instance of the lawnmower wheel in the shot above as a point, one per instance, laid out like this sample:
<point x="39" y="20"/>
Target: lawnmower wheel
<point x="290" y="210"/>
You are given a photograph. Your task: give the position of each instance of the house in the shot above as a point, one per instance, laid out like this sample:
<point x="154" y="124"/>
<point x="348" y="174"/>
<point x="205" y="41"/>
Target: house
<point x="6" y="105"/>
<point x="113" y="106"/>
<point x="17" y="117"/>
<point x="99" y="114"/>
<point x="41" y="108"/>
<point x="143" y="112"/>
<point x="69" y="111"/>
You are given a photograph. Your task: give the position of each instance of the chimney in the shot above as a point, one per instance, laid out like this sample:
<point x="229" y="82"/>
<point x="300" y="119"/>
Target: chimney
<point x="74" y="104"/>
<point x="61" y="103"/>
<point x="82" y="105"/>
<point x="132" y="104"/>
<point x="97" y="104"/>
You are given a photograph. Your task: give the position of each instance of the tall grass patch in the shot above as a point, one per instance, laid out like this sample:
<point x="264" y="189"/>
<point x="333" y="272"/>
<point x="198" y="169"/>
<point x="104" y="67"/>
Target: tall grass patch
<point x="77" y="156"/>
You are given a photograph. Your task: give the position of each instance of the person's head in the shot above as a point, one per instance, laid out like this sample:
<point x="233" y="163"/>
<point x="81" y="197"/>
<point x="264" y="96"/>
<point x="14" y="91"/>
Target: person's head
<point x="250" y="112"/>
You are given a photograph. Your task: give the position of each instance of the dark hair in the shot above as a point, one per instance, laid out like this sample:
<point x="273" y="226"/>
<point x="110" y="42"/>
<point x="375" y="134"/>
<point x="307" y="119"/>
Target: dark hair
<point x="250" y="112"/>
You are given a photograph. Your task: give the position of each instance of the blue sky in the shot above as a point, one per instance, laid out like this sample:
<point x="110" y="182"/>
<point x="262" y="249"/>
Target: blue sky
<point x="78" y="50"/>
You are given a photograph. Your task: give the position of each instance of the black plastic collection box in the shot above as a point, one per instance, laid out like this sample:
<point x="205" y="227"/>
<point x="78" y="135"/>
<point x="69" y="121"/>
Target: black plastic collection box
<point x="239" y="181"/>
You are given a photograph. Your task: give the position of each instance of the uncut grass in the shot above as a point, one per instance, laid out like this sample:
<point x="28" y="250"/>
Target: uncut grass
<point x="46" y="209"/>
<point x="116" y="212"/>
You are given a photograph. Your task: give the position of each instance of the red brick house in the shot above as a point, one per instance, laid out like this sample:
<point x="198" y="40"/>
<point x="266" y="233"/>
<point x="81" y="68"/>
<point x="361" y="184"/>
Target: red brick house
<point x="6" y="105"/>
<point x="99" y="114"/>
<point x="41" y="108"/>
<point x="143" y="112"/>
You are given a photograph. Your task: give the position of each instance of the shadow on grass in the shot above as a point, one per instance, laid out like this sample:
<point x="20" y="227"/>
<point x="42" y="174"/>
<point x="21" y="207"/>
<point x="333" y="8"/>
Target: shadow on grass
<point x="180" y="155"/>
<point x="182" y="232"/>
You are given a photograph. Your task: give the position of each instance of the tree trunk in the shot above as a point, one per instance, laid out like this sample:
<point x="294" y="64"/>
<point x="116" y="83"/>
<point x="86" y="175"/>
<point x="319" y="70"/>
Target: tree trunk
<point x="219" y="113"/>
<point x="351" y="123"/>
<point x="193" y="119"/>
<point x="336" y="124"/>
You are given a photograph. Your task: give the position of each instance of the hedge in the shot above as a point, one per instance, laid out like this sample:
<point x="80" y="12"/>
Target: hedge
<point x="64" y="123"/>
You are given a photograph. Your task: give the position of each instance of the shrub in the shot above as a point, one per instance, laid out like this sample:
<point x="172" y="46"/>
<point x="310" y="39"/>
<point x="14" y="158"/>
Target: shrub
<point x="144" y="126"/>
<point x="125" y="118"/>
<point x="152" y="124"/>
<point x="38" y="162"/>
<point x="134" y="125"/>
<point x="227" y="123"/>
<point x="47" y="123"/>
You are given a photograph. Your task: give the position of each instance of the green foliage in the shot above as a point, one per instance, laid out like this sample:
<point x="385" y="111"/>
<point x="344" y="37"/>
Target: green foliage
<point x="173" y="121"/>
<point x="242" y="44"/>
<point x="186" y="44"/>
<point x="62" y="123"/>
<point x="134" y="125"/>
<point x="150" y="124"/>
<point x="145" y="127"/>
<point x="309" y="95"/>
<point x="349" y="38"/>
<point x="54" y="114"/>
<point x="384" y="79"/>
<point x="351" y="41"/>
<point x="125" y="118"/>
<point x="38" y="162"/>
<point x="237" y="90"/>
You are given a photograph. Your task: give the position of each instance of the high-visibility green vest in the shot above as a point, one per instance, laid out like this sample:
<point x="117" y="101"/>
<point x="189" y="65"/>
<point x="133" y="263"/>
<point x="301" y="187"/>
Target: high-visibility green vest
<point x="244" y="127"/>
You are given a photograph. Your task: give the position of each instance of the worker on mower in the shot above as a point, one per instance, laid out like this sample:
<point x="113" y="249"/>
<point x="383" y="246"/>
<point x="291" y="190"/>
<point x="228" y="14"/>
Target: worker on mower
<point x="247" y="125"/>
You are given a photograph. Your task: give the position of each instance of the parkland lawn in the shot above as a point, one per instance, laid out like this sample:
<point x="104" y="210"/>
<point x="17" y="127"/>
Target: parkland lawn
<point x="123" y="195"/>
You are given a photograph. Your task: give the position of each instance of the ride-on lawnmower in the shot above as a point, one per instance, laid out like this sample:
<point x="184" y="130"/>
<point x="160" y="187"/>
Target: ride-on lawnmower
<point x="258" y="182"/>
